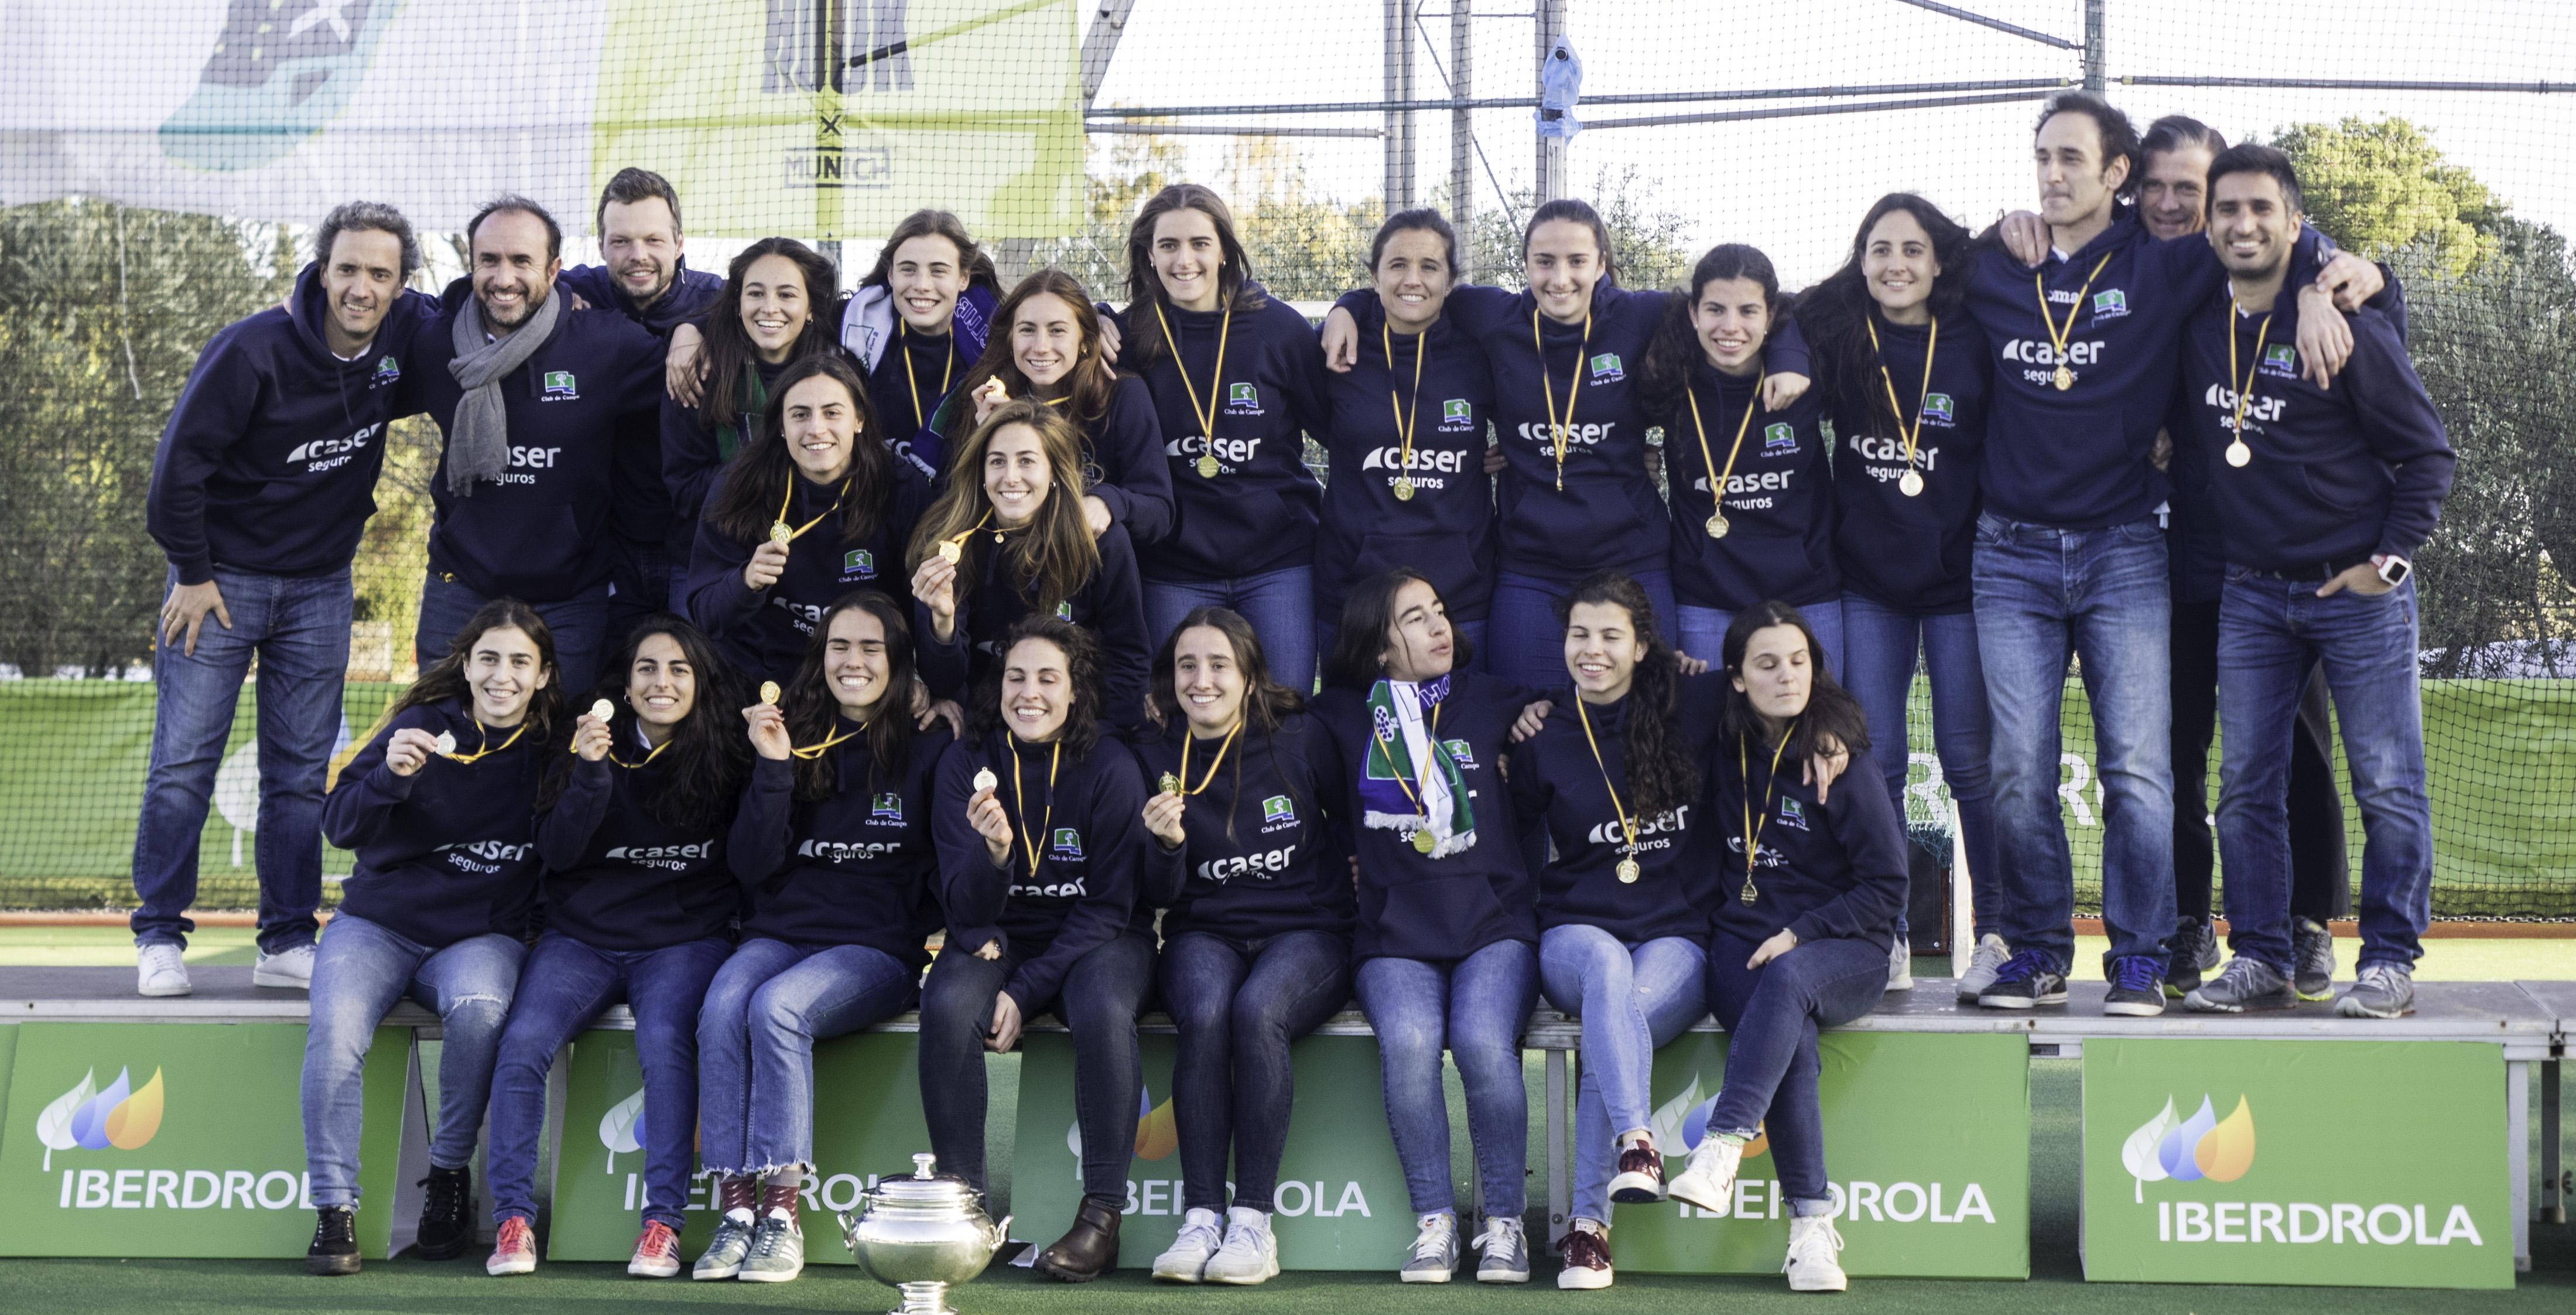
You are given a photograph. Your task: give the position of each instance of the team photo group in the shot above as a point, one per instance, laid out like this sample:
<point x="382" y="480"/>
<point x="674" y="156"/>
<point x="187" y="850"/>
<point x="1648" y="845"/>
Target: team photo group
<point x="794" y="656"/>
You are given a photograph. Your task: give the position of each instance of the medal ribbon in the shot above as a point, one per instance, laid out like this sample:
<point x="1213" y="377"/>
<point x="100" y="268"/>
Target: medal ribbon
<point x="1406" y="425"/>
<point x="1573" y="388"/>
<point x="2056" y="335"/>
<point x="837" y="499"/>
<point x="1020" y="804"/>
<point x="1206" y="416"/>
<point x="657" y="752"/>
<point x="1389" y="750"/>
<point x="911" y="385"/>
<point x="810" y="752"/>
<point x="2245" y="394"/>
<point x="1627" y="826"/>
<point x="488" y="748"/>
<point x="1930" y="346"/>
<point x="1201" y="788"/>
<point x="1717" y="484"/>
<point x="1753" y="829"/>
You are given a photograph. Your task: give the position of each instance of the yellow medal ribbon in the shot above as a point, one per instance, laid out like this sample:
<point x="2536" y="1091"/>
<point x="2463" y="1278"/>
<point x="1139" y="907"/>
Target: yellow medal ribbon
<point x="813" y="751"/>
<point x="1573" y="389"/>
<point x="911" y="385"/>
<point x="2064" y="378"/>
<point x="1020" y="803"/>
<point x="1423" y="841"/>
<point x="953" y="548"/>
<point x="1205" y="415"/>
<point x="1910" y="483"/>
<point x="488" y="748"/>
<point x="1201" y="788"/>
<point x="1406" y="425"/>
<point x="1717" y="526"/>
<point x="1628" y="869"/>
<point x="656" y="753"/>
<point x="2238" y="451"/>
<point x="1752" y="829"/>
<point x="792" y="534"/>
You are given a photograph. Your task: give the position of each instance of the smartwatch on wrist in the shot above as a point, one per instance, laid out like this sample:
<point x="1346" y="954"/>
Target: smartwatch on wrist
<point x="2394" y="569"/>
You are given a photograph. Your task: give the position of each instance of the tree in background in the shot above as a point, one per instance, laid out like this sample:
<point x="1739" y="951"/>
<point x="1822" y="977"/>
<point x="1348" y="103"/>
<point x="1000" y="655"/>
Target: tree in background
<point x="2384" y="187"/>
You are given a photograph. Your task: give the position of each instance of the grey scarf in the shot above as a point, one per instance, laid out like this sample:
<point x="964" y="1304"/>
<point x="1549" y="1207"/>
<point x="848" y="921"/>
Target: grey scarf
<point x="478" y="442"/>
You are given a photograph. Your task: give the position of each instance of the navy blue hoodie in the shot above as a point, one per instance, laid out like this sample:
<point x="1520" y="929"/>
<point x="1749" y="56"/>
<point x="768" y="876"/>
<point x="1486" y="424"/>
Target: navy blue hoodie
<point x="581" y="411"/>
<point x="1827" y="869"/>
<point x="448" y="852"/>
<point x="269" y="462"/>
<point x="1779" y="499"/>
<point x="2337" y="475"/>
<point x="1258" y="512"/>
<point x="1446" y="530"/>
<point x="618" y="877"/>
<point x="1088" y="827"/>
<point x="890" y="392"/>
<point x="1124" y="466"/>
<point x="1412" y="906"/>
<point x="855" y="869"/>
<point x="1608" y="516"/>
<point x="1562" y="797"/>
<point x="686" y="301"/>
<point x="1111" y="605"/>
<point x="2079" y="459"/>
<point x="1913" y="554"/>
<point x="764" y="632"/>
<point x="693" y="452"/>
<point x="1266" y="852"/>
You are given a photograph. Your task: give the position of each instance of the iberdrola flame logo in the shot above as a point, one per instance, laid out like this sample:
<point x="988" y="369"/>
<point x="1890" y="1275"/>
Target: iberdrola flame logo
<point x="1679" y="1124"/>
<point x="621" y="1129"/>
<point x="1158" y="1133"/>
<point x="88" y="1119"/>
<point x="2201" y="1146"/>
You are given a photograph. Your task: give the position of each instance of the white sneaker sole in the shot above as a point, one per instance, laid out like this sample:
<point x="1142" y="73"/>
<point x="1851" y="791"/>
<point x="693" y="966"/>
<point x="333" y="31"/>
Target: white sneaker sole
<point x="1636" y="1189"/>
<point x="1168" y="1274"/>
<point x="712" y="1275"/>
<point x="640" y="1269"/>
<point x="1502" y="1276"/>
<point x="1254" y="1279"/>
<point x="514" y="1265"/>
<point x="279" y="981"/>
<point x="1706" y="1191"/>
<point x="1837" y="1282"/>
<point x="770" y="1275"/>
<point x="164" y="990"/>
<point x="1583" y="1280"/>
<point x="1426" y="1275"/>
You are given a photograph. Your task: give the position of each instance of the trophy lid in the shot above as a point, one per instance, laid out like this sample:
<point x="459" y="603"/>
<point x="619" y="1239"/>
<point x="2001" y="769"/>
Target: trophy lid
<point x="926" y="1189"/>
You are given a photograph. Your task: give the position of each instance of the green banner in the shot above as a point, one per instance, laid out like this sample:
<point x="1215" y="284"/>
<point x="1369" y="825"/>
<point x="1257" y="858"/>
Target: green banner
<point x="1927" y="1153"/>
<point x="2360" y="1163"/>
<point x="134" y="1139"/>
<point x="867" y="1103"/>
<point x="1341" y="1202"/>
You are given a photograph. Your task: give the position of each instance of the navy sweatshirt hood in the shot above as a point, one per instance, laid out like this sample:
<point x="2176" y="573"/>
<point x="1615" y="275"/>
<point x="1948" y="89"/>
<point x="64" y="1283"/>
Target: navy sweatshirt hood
<point x="1912" y="554"/>
<point x="857" y="868"/>
<point x="448" y="852"/>
<point x="1779" y="499"/>
<point x="1446" y="529"/>
<point x="694" y="452"/>
<point x="1262" y="855"/>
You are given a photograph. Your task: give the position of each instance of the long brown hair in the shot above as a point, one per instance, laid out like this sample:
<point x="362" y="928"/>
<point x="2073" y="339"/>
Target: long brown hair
<point x="730" y="356"/>
<point x="1267" y="704"/>
<point x="758" y="478"/>
<point x="710" y="755"/>
<point x="935" y="223"/>
<point x="1049" y="559"/>
<point x="810" y="709"/>
<point x="1832" y="713"/>
<point x="1145" y="343"/>
<point x="1661" y="775"/>
<point x="445" y="678"/>
<point x="1087" y="386"/>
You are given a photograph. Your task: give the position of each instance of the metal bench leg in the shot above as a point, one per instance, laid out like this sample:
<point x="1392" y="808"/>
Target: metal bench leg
<point x="2517" y="1131"/>
<point x="1560" y="1188"/>
<point x="2553" y="1181"/>
<point x="412" y="1163"/>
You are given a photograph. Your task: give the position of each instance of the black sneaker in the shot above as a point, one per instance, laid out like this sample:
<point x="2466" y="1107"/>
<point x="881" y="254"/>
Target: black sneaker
<point x="2312" y="959"/>
<point x="2243" y="984"/>
<point x="446" y="1228"/>
<point x="335" y="1241"/>
<point x="2025" y="980"/>
<point x="2194" y="951"/>
<point x="2137" y="987"/>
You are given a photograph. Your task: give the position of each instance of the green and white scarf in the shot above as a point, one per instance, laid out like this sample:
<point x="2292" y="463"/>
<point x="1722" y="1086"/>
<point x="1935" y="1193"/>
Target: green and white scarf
<point x="1411" y="780"/>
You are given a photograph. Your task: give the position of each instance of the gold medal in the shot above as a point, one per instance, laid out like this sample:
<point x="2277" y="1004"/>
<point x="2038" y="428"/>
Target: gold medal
<point x="602" y="710"/>
<point x="2064" y="378"/>
<point x="2238" y="454"/>
<point x="1207" y="467"/>
<point x="769" y="692"/>
<point x="1628" y="871"/>
<point x="1910" y="484"/>
<point x="985" y="780"/>
<point x="951" y="552"/>
<point x="1717" y="525"/>
<point x="1423" y="841"/>
<point x="2057" y="333"/>
<point x="447" y="743"/>
<point x="1403" y="489"/>
<point x="780" y="533"/>
<point x="1169" y="784"/>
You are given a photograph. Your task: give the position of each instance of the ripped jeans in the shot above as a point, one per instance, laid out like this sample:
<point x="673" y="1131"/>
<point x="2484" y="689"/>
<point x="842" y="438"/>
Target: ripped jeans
<point x="360" y="971"/>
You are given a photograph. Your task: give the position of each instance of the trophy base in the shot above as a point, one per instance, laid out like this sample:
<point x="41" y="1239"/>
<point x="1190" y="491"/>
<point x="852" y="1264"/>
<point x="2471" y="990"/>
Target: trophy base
<point x="923" y="1299"/>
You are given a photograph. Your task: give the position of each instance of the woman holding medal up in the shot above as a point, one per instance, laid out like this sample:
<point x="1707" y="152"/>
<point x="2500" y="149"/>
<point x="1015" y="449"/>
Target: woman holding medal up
<point x="833" y="847"/>
<point x="440" y="806"/>
<point x="1237" y="381"/>
<point x="1905" y="376"/>
<point x="1608" y="786"/>
<point x="1005" y="539"/>
<point x="1407" y="442"/>
<point x="1256" y="948"/>
<point x="1752" y="512"/>
<point x="1049" y="350"/>
<point x="1577" y="494"/>
<point x="1447" y="938"/>
<point x="817" y="508"/>
<point x="631" y="826"/>
<point x="1800" y="941"/>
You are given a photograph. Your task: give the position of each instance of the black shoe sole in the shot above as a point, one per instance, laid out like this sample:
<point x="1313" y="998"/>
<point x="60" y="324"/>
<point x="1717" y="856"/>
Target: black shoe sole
<point x="1063" y="1275"/>
<point x="425" y="1251"/>
<point x="332" y="1266"/>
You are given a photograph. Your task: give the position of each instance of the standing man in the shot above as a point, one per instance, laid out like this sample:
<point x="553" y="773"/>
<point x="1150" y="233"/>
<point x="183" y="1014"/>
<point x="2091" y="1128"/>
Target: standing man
<point x="2322" y="497"/>
<point x="2172" y="204"/>
<point x="541" y="406"/>
<point x="2069" y="558"/>
<point x="262" y="486"/>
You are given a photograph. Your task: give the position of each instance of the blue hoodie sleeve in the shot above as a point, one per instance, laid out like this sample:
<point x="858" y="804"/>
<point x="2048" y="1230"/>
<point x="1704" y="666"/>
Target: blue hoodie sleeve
<point x="1531" y="796"/>
<point x="1785" y="352"/>
<point x="689" y="459"/>
<point x="1117" y="823"/>
<point x="564" y="831"/>
<point x="1126" y="650"/>
<point x="2398" y="419"/>
<point x="367" y="793"/>
<point x="1865" y="823"/>
<point x="718" y="599"/>
<point x="1164" y="870"/>
<point x="1136" y="478"/>
<point x="972" y="888"/>
<point x="757" y="846"/>
<point x="213" y="413"/>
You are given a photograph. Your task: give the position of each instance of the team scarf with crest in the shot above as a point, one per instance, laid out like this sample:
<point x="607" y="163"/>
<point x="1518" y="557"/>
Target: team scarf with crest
<point x="1410" y="780"/>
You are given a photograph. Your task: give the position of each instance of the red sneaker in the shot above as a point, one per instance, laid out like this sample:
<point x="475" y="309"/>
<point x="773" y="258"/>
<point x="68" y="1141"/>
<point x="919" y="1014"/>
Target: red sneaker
<point x="1586" y="1256"/>
<point x="1641" y="1176"/>
<point x="514" y="1251"/>
<point x="657" y="1252"/>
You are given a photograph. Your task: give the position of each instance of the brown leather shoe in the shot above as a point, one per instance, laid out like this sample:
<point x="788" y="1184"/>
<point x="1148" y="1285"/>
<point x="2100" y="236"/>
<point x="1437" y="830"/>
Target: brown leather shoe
<point x="1087" y="1250"/>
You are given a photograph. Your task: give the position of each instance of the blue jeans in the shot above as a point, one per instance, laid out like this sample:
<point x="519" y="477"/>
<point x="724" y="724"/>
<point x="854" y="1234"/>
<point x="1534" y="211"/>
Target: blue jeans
<point x="1880" y="645"/>
<point x="579" y="623"/>
<point x="764" y="1011"/>
<point x="1280" y="605"/>
<point x="1328" y="631"/>
<point x="299" y="629"/>
<point x="2101" y="595"/>
<point x="1475" y="1007"/>
<point x="563" y="987"/>
<point x="1098" y="1005"/>
<point x="1772" y="1015"/>
<point x="359" y="971"/>
<point x="2270" y="631"/>
<point x="1237" y="1006"/>
<point x="1529" y="642"/>
<point x="1704" y="632"/>
<point x="1632" y="999"/>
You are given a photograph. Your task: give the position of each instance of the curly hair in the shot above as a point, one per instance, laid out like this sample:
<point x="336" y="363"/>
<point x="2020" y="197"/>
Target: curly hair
<point x="1082" y="668"/>
<point x="710" y="757"/>
<point x="1049" y="560"/>
<point x="1661" y="773"/>
<point x="1834" y="314"/>
<point x="1675" y="349"/>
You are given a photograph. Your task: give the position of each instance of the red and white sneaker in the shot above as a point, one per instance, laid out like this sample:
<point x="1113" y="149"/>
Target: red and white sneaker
<point x="514" y="1251"/>
<point x="657" y="1253"/>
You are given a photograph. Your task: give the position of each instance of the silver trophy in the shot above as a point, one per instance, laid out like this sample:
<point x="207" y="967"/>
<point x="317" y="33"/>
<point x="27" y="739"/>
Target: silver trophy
<point x="921" y="1234"/>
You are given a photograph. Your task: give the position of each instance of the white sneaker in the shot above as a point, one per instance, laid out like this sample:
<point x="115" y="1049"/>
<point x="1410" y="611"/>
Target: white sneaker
<point x="1900" y="964"/>
<point x="1251" y="1251"/>
<point x="158" y="970"/>
<point x="1983" y="963"/>
<point x="1187" y="1260"/>
<point x="292" y="969"/>
<point x="1434" y="1257"/>
<point x="1812" y="1265"/>
<point x="1710" y="1179"/>
<point x="1505" y="1251"/>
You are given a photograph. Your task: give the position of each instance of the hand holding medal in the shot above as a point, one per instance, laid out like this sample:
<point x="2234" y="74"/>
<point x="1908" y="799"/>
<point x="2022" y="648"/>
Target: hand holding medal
<point x="590" y="734"/>
<point x="989" y="395"/>
<point x="408" y="749"/>
<point x="990" y="820"/>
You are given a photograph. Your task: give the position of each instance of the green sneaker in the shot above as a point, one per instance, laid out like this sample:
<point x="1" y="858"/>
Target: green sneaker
<point x="723" y="1258"/>
<point x="777" y="1250"/>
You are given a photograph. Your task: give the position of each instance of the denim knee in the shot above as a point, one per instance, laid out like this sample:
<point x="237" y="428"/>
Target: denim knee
<point x="777" y="1015"/>
<point x="476" y="1015"/>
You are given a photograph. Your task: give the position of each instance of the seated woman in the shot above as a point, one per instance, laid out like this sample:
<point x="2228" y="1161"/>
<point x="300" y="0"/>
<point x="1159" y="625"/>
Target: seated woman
<point x="1800" y="943"/>
<point x="1038" y="819"/>
<point x="1006" y="539"/>
<point x="1447" y="936"/>
<point x="638" y="908"/>
<point x="1254" y="863"/>
<point x="440" y="807"/>
<point x="1607" y="786"/>
<point x="833" y="844"/>
<point x="819" y="507"/>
